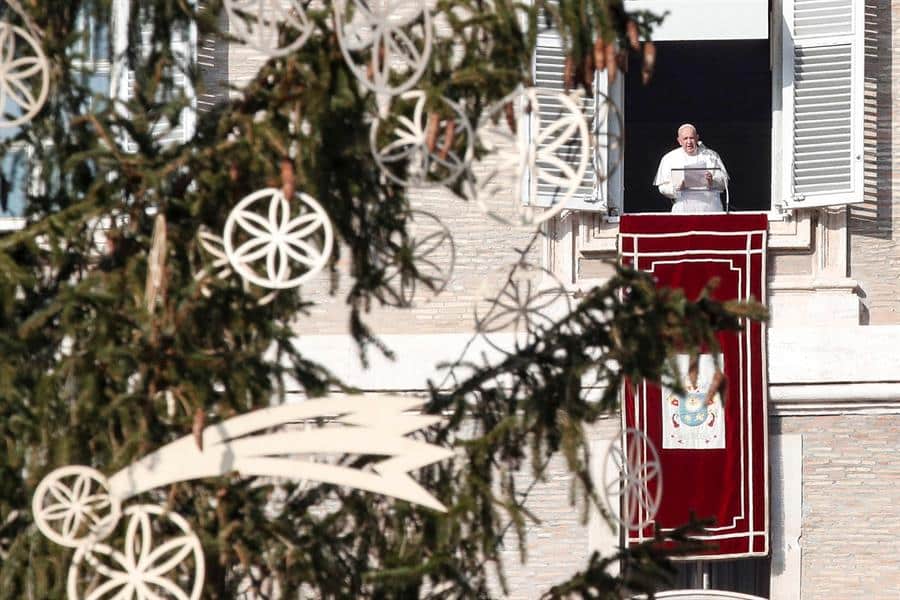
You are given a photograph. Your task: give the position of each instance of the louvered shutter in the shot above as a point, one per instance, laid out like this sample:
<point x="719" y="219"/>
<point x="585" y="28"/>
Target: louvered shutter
<point x="212" y="55"/>
<point x="549" y="64"/>
<point x="823" y="102"/>
<point x="184" y="45"/>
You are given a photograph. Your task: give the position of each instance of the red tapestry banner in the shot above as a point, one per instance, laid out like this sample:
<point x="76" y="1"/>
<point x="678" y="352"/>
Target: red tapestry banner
<point x="713" y="455"/>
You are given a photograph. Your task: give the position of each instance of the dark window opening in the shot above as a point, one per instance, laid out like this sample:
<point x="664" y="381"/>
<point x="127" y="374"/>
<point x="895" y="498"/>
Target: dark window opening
<point x="743" y="576"/>
<point x="725" y="89"/>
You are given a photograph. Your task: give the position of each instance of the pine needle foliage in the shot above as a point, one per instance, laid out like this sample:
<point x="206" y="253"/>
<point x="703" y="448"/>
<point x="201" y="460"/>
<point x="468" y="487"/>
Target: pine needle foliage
<point x="89" y="375"/>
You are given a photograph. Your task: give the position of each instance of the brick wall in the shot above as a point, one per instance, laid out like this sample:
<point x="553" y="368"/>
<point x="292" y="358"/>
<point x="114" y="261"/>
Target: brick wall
<point x="875" y="224"/>
<point x="851" y="505"/>
<point x="558" y="546"/>
<point x="851" y="500"/>
<point x="850" y="508"/>
<point x="484" y="252"/>
<point x="485" y="249"/>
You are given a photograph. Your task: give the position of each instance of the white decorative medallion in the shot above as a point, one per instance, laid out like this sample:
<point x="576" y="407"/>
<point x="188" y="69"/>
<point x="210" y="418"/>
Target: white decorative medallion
<point x="385" y="43"/>
<point x="73" y="505"/>
<point x="24" y="76"/>
<point x="632" y="480"/>
<point x="219" y="266"/>
<point x="407" y="144"/>
<point x="275" y="245"/>
<point x="80" y="508"/>
<point x="429" y="245"/>
<point x="552" y="152"/>
<point x="525" y="301"/>
<point x="161" y="558"/>
<point x="257" y="23"/>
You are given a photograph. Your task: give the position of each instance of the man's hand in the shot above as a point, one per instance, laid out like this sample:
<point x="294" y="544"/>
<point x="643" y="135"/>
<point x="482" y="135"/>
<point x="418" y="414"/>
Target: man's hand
<point x="709" y="180"/>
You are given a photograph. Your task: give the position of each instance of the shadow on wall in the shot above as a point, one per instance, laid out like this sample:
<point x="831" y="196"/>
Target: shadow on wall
<point x="873" y="217"/>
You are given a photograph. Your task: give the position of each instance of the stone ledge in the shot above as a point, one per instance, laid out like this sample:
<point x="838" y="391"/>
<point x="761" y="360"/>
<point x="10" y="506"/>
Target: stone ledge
<point x="798" y="356"/>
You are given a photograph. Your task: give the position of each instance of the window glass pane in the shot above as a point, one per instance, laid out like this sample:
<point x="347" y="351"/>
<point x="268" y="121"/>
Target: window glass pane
<point x="13" y="184"/>
<point x="99" y="85"/>
<point x="8" y="133"/>
<point x="100" y="41"/>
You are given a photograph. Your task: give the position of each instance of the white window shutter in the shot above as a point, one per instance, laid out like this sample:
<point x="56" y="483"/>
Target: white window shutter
<point x="184" y="48"/>
<point x="823" y="102"/>
<point x="212" y="55"/>
<point x="549" y="65"/>
<point x="609" y="138"/>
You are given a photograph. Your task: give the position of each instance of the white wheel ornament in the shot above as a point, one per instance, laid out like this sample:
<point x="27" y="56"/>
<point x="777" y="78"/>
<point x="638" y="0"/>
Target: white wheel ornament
<point x="257" y="23"/>
<point x="24" y="76"/>
<point x="73" y="504"/>
<point x="433" y="253"/>
<point x="385" y="43"/>
<point x="272" y="246"/>
<point x="399" y="144"/>
<point x="633" y="474"/>
<point x="523" y="306"/>
<point x="161" y="558"/>
<point x="215" y="247"/>
<point x="551" y="158"/>
<point x="219" y="266"/>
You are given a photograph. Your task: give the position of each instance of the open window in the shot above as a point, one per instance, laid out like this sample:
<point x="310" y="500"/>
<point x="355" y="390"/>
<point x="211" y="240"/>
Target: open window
<point x="13" y="188"/>
<point x="184" y="50"/>
<point x="98" y="56"/>
<point x="90" y="57"/>
<point x="775" y="87"/>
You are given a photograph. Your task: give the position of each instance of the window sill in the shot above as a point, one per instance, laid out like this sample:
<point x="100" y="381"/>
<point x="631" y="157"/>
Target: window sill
<point x="12" y="223"/>
<point x="599" y="236"/>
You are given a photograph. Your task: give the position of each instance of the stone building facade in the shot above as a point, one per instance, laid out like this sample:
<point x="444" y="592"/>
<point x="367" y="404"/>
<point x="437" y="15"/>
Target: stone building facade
<point x="834" y="367"/>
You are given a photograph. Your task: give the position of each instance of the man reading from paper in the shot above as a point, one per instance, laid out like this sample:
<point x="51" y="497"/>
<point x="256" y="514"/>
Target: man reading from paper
<point x="692" y="175"/>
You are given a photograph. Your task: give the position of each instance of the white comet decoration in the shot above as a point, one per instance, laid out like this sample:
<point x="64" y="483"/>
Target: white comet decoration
<point x="78" y="507"/>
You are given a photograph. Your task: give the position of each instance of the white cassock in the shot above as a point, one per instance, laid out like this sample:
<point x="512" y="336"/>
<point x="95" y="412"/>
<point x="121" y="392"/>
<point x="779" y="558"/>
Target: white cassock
<point x="692" y="201"/>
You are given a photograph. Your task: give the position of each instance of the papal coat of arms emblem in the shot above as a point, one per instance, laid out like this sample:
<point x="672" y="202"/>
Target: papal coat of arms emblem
<point x="692" y="421"/>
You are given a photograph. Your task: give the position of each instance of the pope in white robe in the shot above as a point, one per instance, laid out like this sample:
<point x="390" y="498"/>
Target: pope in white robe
<point x="692" y="154"/>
